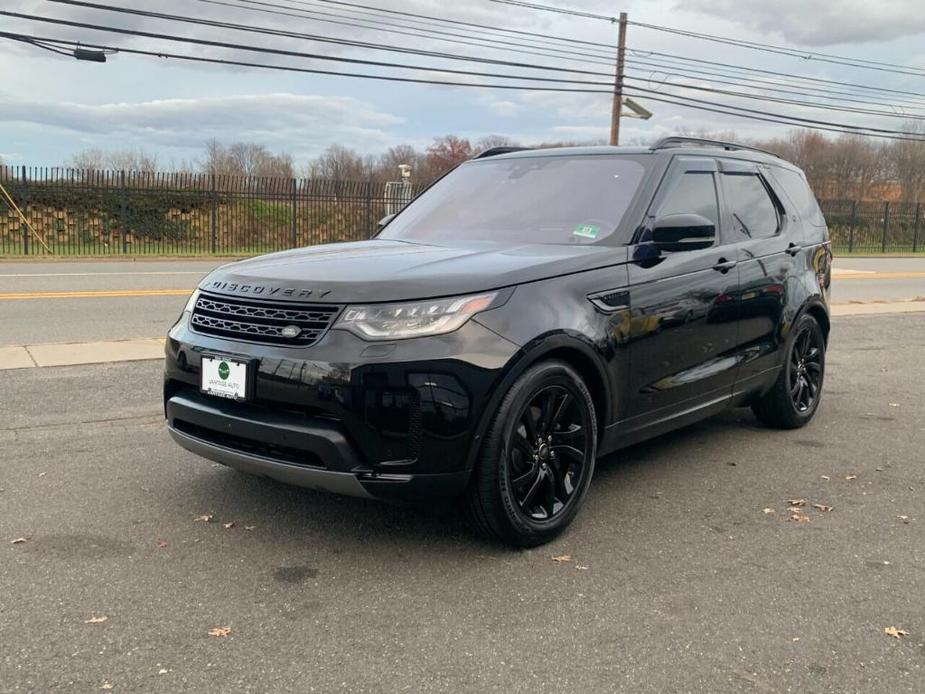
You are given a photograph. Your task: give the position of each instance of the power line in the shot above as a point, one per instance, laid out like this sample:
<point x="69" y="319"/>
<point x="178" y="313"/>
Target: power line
<point x="403" y="29"/>
<point x="688" y="102"/>
<point x="740" y="43"/>
<point x="792" y="52"/>
<point x="791" y="102"/>
<point x="290" y="34"/>
<point x="808" y="78"/>
<point x="669" y="72"/>
<point x="557" y="10"/>
<point x="428" y="22"/>
<point x="668" y="68"/>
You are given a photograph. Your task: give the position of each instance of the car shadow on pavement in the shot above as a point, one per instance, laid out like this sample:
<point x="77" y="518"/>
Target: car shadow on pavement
<point x="285" y="514"/>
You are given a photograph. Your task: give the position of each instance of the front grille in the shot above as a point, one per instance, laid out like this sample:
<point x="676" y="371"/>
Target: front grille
<point x="261" y="321"/>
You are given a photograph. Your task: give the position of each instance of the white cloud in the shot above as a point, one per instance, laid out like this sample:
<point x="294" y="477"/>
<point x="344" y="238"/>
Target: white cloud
<point x="294" y="122"/>
<point x="820" y="23"/>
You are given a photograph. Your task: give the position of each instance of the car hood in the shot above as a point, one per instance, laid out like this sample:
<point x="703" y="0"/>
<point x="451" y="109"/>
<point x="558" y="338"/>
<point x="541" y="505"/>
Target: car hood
<point x="387" y="270"/>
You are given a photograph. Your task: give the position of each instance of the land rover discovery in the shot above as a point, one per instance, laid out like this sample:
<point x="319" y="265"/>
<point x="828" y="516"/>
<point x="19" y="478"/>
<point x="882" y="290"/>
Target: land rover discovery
<point x="530" y="312"/>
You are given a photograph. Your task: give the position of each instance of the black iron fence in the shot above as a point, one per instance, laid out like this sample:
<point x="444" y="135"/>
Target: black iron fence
<point x="75" y="212"/>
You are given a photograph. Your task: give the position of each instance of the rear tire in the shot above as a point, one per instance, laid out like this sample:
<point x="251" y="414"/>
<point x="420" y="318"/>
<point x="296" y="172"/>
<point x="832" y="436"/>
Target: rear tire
<point x="794" y="398"/>
<point x="537" y="459"/>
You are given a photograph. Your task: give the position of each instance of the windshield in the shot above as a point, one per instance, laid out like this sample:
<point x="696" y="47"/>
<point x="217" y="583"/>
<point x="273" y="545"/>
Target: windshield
<point x="554" y="200"/>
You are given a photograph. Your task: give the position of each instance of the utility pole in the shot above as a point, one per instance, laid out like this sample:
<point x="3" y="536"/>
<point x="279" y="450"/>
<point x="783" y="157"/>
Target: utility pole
<point x="618" y="84"/>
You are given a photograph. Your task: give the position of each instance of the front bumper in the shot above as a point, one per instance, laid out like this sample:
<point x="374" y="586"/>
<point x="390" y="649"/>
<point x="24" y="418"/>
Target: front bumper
<point x="387" y="420"/>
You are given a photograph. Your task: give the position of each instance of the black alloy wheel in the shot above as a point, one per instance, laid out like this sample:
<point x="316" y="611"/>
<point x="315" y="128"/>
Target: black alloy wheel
<point x="805" y="369"/>
<point x="547" y="453"/>
<point x="795" y="396"/>
<point x="537" y="458"/>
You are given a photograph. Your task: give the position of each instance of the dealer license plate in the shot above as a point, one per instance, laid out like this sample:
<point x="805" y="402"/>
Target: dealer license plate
<point x="226" y="378"/>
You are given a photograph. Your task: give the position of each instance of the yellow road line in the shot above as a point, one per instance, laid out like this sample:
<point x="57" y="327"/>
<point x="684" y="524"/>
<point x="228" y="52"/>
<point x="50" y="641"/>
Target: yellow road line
<point x="848" y="275"/>
<point x="113" y="293"/>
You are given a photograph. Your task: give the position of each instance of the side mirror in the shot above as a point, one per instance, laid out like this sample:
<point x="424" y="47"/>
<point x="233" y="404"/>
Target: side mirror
<point x="385" y="220"/>
<point x="683" y="232"/>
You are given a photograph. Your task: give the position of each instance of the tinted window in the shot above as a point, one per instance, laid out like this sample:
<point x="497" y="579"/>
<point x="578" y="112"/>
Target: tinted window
<point x="555" y="199"/>
<point x="754" y="214"/>
<point x="798" y="191"/>
<point x="694" y="193"/>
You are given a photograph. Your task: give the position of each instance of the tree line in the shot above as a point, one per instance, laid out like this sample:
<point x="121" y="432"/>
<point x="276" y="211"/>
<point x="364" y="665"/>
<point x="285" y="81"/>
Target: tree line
<point x="847" y="167"/>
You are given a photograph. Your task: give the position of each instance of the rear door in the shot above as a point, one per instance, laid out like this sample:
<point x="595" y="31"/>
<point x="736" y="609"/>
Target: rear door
<point x="766" y="242"/>
<point x="684" y="307"/>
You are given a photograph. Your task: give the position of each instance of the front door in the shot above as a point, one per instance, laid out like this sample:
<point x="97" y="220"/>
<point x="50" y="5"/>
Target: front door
<point x="683" y="329"/>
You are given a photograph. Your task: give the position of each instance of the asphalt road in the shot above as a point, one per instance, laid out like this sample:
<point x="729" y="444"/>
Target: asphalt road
<point x="679" y="581"/>
<point x="86" y="318"/>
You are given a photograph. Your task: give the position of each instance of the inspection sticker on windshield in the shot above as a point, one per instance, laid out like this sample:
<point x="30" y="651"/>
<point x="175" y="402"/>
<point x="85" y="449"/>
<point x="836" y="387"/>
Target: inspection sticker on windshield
<point x="588" y="231"/>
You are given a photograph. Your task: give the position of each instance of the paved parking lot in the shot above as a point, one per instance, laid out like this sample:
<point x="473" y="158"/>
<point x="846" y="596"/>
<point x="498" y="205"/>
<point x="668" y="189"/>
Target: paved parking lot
<point x="685" y="571"/>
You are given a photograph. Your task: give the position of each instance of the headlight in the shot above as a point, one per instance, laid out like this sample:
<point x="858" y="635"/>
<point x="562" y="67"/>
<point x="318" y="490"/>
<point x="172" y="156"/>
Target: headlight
<point x="413" y="319"/>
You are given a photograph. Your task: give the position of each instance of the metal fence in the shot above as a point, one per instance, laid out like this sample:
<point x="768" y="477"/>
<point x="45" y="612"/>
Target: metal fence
<point x="75" y="212"/>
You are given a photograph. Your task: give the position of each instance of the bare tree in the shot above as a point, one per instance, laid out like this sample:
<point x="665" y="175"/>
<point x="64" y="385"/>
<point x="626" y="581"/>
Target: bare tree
<point x="87" y="159"/>
<point x="246" y="159"/>
<point x="907" y="163"/>
<point x="446" y="153"/>
<point x="339" y="163"/>
<point x="490" y="141"/>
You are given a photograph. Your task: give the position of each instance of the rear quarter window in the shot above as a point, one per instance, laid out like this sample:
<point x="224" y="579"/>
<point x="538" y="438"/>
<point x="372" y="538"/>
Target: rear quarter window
<point x="798" y="191"/>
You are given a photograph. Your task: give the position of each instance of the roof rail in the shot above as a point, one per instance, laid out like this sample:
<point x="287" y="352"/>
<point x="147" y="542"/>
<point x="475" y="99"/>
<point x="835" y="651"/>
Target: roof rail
<point x="495" y="151"/>
<point x="678" y="141"/>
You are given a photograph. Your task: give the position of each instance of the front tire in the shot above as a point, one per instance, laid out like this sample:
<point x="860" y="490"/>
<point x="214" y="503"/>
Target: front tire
<point x="537" y="459"/>
<point x="794" y="398"/>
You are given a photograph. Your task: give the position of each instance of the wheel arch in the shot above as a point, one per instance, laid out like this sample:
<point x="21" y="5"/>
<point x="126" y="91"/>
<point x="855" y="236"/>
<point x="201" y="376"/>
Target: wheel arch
<point x="566" y="347"/>
<point x="817" y="309"/>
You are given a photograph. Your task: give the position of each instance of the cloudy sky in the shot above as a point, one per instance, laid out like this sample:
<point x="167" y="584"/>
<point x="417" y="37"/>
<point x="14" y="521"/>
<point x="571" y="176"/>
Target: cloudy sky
<point x="53" y="106"/>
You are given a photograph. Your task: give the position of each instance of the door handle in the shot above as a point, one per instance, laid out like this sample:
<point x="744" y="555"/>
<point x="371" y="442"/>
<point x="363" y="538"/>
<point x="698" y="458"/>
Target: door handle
<point x="793" y="249"/>
<point x="724" y="265"/>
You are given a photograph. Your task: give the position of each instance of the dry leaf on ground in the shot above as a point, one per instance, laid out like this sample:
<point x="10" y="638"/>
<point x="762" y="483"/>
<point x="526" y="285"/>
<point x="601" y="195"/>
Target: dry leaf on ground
<point x="904" y="519"/>
<point x="220" y="632"/>
<point x="798" y="516"/>
<point x="822" y="507"/>
<point x="96" y="620"/>
<point x="562" y="558"/>
<point x="205" y="518"/>
<point x="106" y="685"/>
<point x="581" y="567"/>
<point x="19" y="540"/>
<point x="249" y="527"/>
<point x="894" y="632"/>
<point x="796" y="502"/>
<point x="825" y="477"/>
<point x="228" y="525"/>
<point x="851" y="477"/>
<point x="767" y="510"/>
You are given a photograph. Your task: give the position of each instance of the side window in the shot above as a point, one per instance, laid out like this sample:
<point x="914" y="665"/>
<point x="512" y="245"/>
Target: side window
<point x="798" y="190"/>
<point x="694" y="193"/>
<point x="754" y="214"/>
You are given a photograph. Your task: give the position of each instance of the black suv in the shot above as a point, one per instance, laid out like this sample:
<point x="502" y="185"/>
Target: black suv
<point x="528" y="313"/>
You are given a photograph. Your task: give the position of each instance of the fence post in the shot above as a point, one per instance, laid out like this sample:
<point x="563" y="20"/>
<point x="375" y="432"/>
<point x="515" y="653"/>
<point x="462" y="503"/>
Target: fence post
<point x="886" y="225"/>
<point x="213" y="230"/>
<point x="371" y="225"/>
<point x="915" y="227"/>
<point x="23" y="205"/>
<point x="294" y="229"/>
<point x="854" y="223"/>
<point x="123" y="211"/>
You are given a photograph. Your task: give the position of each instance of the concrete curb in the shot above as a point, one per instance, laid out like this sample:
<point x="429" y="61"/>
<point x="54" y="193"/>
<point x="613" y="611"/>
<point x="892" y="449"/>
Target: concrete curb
<point x="74" y="353"/>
